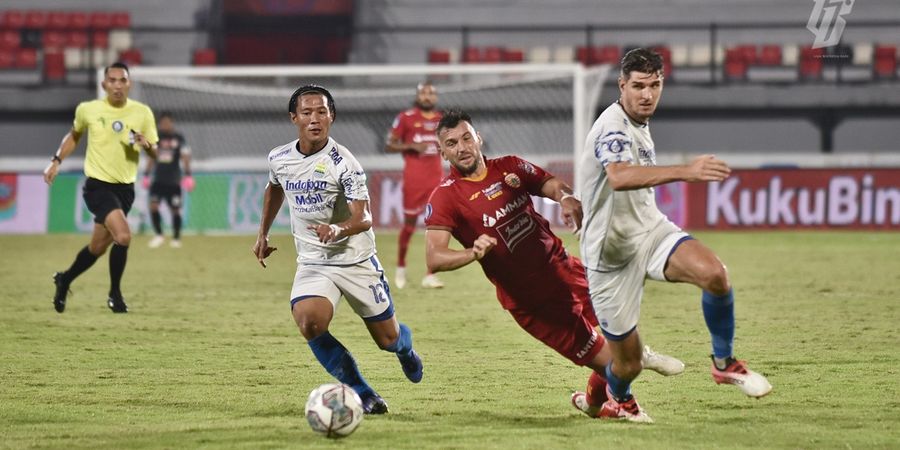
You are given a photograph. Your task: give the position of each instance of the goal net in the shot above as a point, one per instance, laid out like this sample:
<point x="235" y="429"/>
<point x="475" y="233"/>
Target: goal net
<point x="232" y="116"/>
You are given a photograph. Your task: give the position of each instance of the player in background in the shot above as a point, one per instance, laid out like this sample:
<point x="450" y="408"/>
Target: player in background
<point x="627" y="239"/>
<point x="118" y="129"/>
<point x="485" y="204"/>
<point x="412" y="134"/>
<point x="173" y="160"/>
<point x="325" y="188"/>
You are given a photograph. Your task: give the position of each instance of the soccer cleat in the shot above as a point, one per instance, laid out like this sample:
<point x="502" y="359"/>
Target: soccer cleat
<point x="175" y="243"/>
<point x="62" y="290"/>
<point x="661" y="364"/>
<point x="737" y="373"/>
<point x="580" y="402"/>
<point x="400" y="278"/>
<point x="431" y="281"/>
<point x="116" y="303"/>
<point x="156" y="242"/>
<point x="374" y="404"/>
<point x="628" y="410"/>
<point x="412" y="366"/>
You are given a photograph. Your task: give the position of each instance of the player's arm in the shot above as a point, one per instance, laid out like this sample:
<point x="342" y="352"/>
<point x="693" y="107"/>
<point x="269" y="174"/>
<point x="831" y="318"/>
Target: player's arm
<point x="272" y="200"/>
<point x="395" y="145"/>
<point x="360" y="220"/>
<point x="560" y="192"/>
<point x="624" y="176"/>
<point x="440" y="257"/>
<point x="66" y="147"/>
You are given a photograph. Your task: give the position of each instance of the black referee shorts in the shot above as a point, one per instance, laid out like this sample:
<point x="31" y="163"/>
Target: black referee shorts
<point x="102" y="198"/>
<point x="171" y="193"/>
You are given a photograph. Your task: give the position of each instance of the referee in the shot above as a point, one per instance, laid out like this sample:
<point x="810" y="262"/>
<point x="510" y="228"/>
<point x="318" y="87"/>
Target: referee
<point x="119" y="128"/>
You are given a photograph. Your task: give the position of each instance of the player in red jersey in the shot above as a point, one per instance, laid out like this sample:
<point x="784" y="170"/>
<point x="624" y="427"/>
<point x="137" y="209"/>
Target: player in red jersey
<point x="412" y="134"/>
<point x="485" y="204"/>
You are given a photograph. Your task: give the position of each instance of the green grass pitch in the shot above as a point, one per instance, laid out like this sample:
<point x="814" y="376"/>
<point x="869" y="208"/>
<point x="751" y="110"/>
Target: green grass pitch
<point x="209" y="356"/>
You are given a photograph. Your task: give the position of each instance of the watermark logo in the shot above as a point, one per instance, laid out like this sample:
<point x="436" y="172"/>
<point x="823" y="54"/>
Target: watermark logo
<point x="827" y="22"/>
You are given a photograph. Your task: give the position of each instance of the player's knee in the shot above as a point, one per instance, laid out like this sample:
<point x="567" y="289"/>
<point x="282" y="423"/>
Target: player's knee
<point x="716" y="280"/>
<point x="386" y="341"/>
<point x="123" y="238"/>
<point x="629" y="369"/>
<point x="311" y="328"/>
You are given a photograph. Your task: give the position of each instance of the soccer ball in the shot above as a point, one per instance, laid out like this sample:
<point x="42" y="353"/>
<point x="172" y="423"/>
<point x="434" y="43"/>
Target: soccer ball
<point x="334" y="409"/>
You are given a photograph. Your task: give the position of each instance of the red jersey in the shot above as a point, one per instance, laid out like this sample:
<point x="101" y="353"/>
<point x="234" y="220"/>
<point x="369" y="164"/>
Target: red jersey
<point x="422" y="172"/>
<point x="529" y="262"/>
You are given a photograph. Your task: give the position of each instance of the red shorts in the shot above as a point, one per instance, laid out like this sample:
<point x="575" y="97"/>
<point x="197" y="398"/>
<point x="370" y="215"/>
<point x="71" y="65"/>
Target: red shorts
<point x="415" y="197"/>
<point x="564" y="322"/>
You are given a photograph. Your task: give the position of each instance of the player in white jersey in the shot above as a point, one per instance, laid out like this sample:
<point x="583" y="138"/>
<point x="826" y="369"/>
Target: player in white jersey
<point x="627" y="239"/>
<point x="325" y="188"/>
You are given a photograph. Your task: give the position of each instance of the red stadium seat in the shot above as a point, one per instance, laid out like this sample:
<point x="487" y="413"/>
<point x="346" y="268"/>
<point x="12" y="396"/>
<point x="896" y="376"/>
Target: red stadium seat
<point x="77" y="39"/>
<point x="608" y="54"/>
<point x="100" y="39"/>
<point x="57" y="21"/>
<point x="10" y="39"/>
<point x="438" y="56"/>
<point x="7" y="58"/>
<point x="26" y="58"/>
<point x="513" y="55"/>
<point x="735" y="64"/>
<point x="79" y="20"/>
<point x="770" y="55"/>
<point x="53" y="39"/>
<point x="132" y="56"/>
<point x="810" y="66"/>
<point x="121" y="20"/>
<point x="100" y="20"/>
<point x="885" y="63"/>
<point x="35" y="19"/>
<point x="492" y="55"/>
<point x="584" y="55"/>
<point x="13" y="19"/>
<point x="666" y="55"/>
<point x="748" y="53"/>
<point x="471" y="55"/>
<point x="204" y="57"/>
<point x="54" y="66"/>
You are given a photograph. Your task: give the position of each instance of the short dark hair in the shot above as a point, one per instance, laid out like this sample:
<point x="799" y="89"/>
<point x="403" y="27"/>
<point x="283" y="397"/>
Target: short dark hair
<point x="116" y="65"/>
<point x="166" y="115"/>
<point x="452" y="118"/>
<point x="641" y="60"/>
<point x="312" y="89"/>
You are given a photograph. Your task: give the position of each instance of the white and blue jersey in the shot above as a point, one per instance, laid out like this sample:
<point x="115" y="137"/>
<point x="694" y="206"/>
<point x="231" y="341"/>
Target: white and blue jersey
<point x="317" y="189"/>
<point x="615" y="222"/>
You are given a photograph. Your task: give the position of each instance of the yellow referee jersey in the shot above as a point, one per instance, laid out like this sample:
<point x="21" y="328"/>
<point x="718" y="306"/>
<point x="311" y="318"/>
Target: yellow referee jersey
<point x="111" y="154"/>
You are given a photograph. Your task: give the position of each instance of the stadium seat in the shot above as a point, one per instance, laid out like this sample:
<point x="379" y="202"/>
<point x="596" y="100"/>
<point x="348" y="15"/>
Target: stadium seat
<point x="204" y="57"/>
<point x="699" y="55"/>
<point x="35" y="19"/>
<point x="120" y="20"/>
<point x="54" y="66"/>
<point x="77" y="39"/>
<point x="539" y="55"/>
<point x="100" y="20"/>
<point x="810" y="66"/>
<point x="120" y="39"/>
<point x="770" y="55"/>
<point x="74" y="57"/>
<point x="10" y="39"/>
<point x="100" y="39"/>
<point x="748" y="53"/>
<point x="885" y="64"/>
<point x="608" y="54"/>
<point x="79" y="20"/>
<point x="7" y="58"/>
<point x="58" y="21"/>
<point x="492" y="55"/>
<point x="735" y="65"/>
<point x="471" y="55"/>
<point x="666" y="55"/>
<point x="862" y="53"/>
<point x="131" y="56"/>
<point x="438" y="56"/>
<point x="13" y="19"/>
<point x="679" y="55"/>
<point x="513" y="55"/>
<point x="54" y="40"/>
<point x="790" y="55"/>
<point x="26" y="58"/>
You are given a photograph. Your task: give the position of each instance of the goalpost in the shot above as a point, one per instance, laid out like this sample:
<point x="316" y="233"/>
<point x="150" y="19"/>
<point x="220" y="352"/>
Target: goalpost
<point x="232" y="116"/>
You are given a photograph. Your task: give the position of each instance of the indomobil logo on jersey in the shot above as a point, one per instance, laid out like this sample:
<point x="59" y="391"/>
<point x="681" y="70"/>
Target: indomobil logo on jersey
<point x="493" y="191"/>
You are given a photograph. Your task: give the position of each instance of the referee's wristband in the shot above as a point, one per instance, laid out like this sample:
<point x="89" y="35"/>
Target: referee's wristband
<point x="56" y="158"/>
